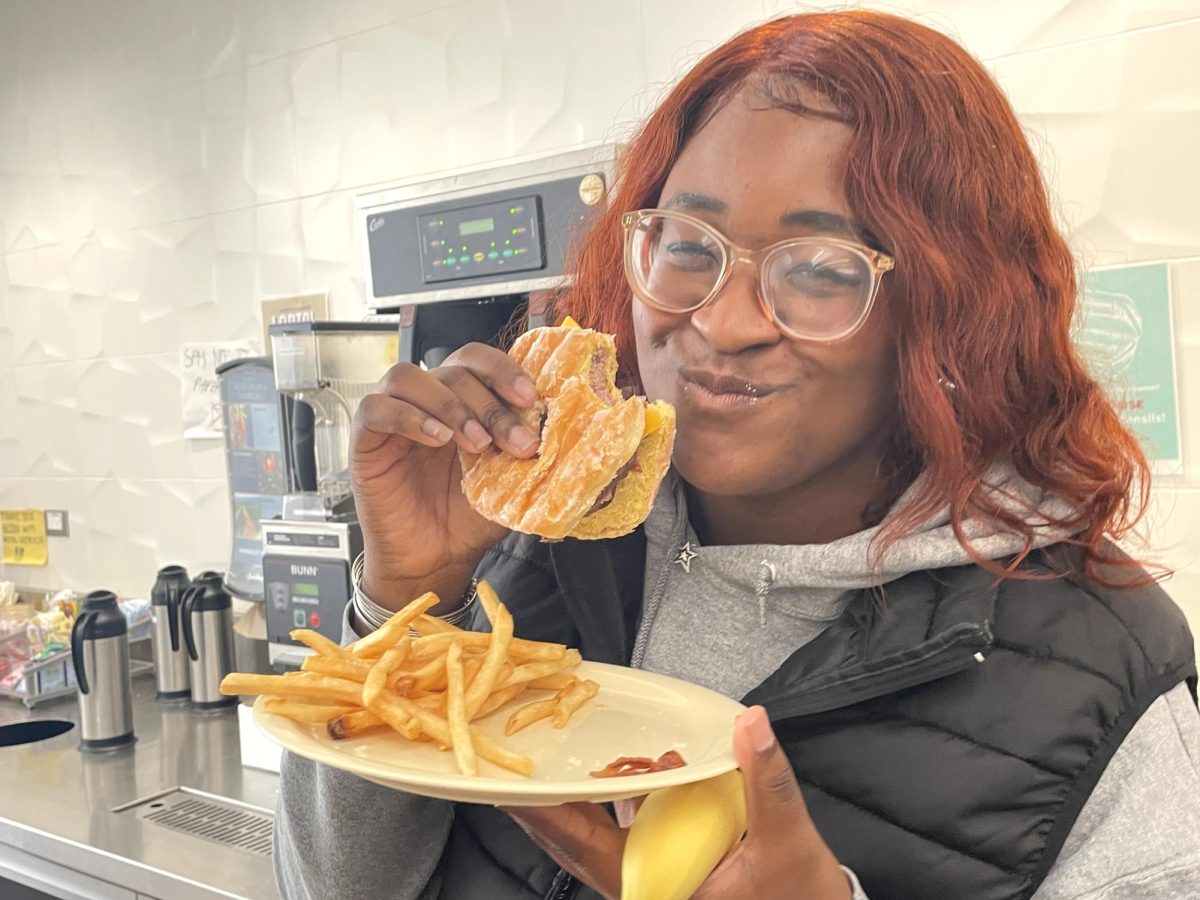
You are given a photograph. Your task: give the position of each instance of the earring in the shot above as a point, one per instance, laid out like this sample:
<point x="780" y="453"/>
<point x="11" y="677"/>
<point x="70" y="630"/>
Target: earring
<point x="947" y="383"/>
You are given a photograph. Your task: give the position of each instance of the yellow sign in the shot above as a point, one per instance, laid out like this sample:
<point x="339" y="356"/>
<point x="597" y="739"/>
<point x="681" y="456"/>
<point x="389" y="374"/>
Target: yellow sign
<point x="24" y="537"/>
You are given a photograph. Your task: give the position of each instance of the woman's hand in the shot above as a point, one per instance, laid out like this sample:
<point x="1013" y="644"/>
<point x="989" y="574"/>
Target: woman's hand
<point x="782" y="856"/>
<point x="419" y="532"/>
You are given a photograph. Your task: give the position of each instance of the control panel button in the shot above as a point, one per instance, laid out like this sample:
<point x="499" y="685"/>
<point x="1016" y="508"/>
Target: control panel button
<point x="298" y="618"/>
<point x="314" y="619"/>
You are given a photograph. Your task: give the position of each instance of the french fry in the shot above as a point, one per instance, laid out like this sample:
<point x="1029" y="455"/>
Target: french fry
<point x="319" y="643"/>
<point x="378" y="676"/>
<point x="498" y="698"/>
<point x="490" y="602"/>
<point x="351" y="670"/>
<point x="435" y="703"/>
<point x="554" y="682"/>
<point x="306" y="685"/>
<point x="303" y="711"/>
<point x="538" y="650"/>
<point x="353" y="724"/>
<point x="424" y="624"/>
<point x="374" y="644"/>
<point x="431" y="674"/>
<point x="412" y="731"/>
<point x="471" y="667"/>
<point x="530" y="713"/>
<point x="395" y="708"/>
<point x="572" y="700"/>
<point x="456" y="711"/>
<point x="432" y="644"/>
<point x="493" y="661"/>
<point x="403" y="684"/>
<point x="398" y="710"/>
<point x="537" y="670"/>
<point x="496" y="753"/>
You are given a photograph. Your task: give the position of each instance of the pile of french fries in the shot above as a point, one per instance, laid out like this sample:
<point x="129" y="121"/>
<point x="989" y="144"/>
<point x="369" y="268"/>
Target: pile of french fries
<point x="429" y="681"/>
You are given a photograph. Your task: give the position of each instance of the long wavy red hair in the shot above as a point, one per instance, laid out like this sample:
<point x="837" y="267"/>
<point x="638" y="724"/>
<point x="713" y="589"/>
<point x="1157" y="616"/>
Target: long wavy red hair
<point x="984" y="286"/>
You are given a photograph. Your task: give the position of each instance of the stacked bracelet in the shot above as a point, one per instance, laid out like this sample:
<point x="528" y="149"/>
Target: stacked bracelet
<point x="374" y="616"/>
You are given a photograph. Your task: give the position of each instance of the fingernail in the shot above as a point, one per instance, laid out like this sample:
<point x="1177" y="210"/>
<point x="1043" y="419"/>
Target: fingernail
<point x="525" y="389"/>
<point x="759" y="726"/>
<point x="476" y="434"/>
<point x="522" y="438"/>
<point x="436" y="430"/>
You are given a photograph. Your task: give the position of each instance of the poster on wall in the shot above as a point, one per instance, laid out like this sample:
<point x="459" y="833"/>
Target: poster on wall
<point x="198" y="385"/>
<point x="1126" y="334"/>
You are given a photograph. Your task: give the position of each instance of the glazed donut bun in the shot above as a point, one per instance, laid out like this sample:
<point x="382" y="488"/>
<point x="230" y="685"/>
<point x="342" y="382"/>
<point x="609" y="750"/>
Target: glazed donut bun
<point x="602" y="456"/>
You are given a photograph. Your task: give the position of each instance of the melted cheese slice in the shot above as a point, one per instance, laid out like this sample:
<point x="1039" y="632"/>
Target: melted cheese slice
<point x="654" y="421"/>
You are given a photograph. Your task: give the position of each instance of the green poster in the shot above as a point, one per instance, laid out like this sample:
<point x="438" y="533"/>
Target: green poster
<point x="1125" y="333"/>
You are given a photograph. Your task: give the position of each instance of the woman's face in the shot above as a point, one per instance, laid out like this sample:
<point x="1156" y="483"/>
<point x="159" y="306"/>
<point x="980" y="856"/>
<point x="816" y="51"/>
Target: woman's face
<point x="815" y="411"/>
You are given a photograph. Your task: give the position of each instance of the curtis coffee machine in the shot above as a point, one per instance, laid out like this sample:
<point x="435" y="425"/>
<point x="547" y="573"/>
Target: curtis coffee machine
<point x="468" y="256"/>
<point x="459" y="257"/>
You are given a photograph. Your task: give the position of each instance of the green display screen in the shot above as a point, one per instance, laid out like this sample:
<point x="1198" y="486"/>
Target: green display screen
<point x="306" y="590"/>
<point x="476" y="226"/>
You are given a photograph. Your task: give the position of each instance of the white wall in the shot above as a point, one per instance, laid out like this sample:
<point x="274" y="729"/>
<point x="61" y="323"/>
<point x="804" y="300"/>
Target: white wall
<point x="164" y="165"/>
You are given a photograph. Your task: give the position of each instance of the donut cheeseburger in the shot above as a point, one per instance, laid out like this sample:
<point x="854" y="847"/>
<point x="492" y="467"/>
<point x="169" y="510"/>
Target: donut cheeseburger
<point x="602" y="456"/>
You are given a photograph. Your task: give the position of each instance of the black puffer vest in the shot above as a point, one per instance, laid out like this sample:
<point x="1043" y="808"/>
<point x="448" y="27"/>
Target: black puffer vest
<point x="945" y="739"/>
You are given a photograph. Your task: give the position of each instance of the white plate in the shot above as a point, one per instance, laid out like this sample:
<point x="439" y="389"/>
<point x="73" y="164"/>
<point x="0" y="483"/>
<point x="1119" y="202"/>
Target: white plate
<point x="635" y="713"/>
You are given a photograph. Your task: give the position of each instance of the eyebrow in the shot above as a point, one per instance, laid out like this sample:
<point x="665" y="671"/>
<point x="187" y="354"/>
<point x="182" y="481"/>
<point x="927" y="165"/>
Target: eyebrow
<point x="818" y="220"/>
<point x="693" y="201"/>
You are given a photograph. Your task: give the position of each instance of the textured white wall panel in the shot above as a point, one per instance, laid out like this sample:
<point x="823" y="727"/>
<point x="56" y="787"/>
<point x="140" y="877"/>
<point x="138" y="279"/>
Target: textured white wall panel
<point x="679" y="31"/>
<point x="1116" y="117"/>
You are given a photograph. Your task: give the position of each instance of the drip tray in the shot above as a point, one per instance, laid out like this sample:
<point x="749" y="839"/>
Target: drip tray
<point x="207" y="816"/>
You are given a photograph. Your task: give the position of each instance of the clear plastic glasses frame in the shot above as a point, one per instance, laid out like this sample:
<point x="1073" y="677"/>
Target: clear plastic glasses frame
<point x="849" y="294"/>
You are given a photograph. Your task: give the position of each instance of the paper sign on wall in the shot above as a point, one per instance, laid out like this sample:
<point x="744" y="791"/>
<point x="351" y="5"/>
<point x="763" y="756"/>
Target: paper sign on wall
<point x="24" y="533"/>
<point x="1126" y="333"/>
<point x="199" y="388"/>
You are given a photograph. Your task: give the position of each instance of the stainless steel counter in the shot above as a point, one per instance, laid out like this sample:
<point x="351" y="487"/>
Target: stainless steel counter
<point x="57" y="805"/>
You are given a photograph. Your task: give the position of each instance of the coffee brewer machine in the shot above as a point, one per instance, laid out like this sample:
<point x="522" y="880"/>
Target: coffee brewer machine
<point x="324" y="369"/>
<point x="462" y="257"/>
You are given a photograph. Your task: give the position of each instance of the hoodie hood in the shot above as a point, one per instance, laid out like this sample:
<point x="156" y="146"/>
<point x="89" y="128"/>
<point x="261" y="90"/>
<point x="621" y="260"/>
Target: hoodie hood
<point x="845" y="564"/>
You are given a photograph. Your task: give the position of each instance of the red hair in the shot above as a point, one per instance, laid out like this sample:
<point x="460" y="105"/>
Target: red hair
<point x="984" y="286"/>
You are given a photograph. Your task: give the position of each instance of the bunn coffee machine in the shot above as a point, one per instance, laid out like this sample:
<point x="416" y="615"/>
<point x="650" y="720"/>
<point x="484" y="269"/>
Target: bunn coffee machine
<point x="324" y="369"/>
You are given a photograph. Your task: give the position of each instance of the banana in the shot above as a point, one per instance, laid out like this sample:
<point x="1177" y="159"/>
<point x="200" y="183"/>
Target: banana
<point x="679" y="836"/>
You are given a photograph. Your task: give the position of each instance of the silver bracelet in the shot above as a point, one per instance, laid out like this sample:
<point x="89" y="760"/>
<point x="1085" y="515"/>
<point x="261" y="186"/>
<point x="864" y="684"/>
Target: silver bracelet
<point x="375" y="616"/>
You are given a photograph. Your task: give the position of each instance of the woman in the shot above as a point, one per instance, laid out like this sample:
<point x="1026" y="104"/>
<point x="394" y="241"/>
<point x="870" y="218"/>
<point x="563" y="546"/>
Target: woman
<point x="887" y="525"/>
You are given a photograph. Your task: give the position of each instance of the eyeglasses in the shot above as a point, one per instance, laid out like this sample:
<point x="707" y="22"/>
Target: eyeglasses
<point x="811" y="288"/>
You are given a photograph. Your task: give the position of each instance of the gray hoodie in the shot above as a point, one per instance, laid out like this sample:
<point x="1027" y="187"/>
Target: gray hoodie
<point x="727" y="619"/>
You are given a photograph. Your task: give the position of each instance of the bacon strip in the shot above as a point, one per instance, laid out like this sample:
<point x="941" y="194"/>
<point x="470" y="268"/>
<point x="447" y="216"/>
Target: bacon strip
<point x="640" y="765"/>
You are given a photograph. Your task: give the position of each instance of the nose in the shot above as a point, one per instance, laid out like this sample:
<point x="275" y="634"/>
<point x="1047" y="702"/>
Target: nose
<point x="734" y="320"/>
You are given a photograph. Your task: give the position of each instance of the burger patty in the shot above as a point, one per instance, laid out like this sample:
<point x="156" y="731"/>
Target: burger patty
<point x="598" y="380"/>
<point x="610" y="491"/>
